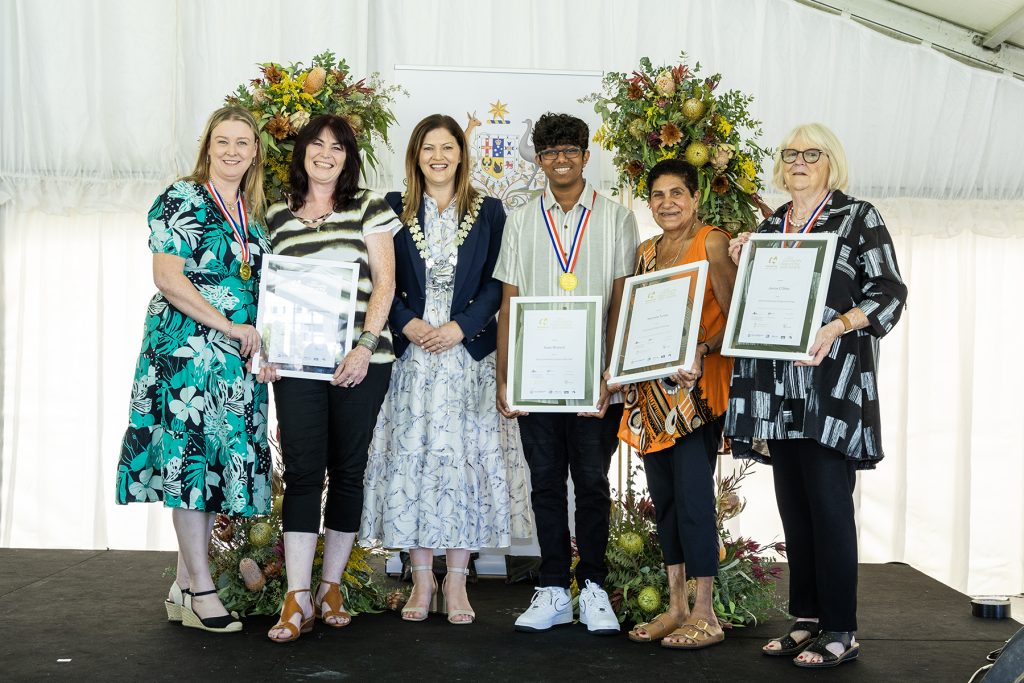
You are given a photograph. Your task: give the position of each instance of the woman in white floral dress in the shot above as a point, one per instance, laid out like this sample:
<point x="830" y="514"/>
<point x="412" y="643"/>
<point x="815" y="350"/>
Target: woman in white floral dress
<point x="446" y="471"/>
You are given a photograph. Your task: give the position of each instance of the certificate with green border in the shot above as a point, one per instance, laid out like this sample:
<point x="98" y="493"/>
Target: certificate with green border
<point x="554" y="363"/>
<point x="779" y="296"/>
<point x="659" y="321"/>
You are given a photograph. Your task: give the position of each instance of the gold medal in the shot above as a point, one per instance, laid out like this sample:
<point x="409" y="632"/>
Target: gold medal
<point x="568" y="281"/>
<point x="245" y="270"/>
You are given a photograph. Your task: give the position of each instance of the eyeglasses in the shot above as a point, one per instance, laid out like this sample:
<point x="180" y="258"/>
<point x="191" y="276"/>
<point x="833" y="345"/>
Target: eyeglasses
<point x="810" y="156"/>
<point x="552" y="154"/>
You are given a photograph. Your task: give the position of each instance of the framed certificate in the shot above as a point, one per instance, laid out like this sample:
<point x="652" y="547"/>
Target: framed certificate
<point x="306" y="314"/>
<point x="554" y="363"/>
<point x="659" y="321"/>
<point x="779" y="295"/>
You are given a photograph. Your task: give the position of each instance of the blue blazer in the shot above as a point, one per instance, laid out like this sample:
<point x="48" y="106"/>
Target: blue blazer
<point x="477" y="295"/>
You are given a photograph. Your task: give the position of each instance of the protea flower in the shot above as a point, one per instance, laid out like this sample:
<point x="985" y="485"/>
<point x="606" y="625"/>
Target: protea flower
<point x="670" y="134"/>
<point x="278" y="126"/>
<point x="665" y="83"/>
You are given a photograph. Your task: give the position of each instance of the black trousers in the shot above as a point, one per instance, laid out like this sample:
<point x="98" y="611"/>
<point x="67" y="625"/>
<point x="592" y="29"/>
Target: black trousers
<point x="557" y="445"/>
<point x="681" y="481"/>
<point x="814" y="490"/>
<point x="325" y="433"/>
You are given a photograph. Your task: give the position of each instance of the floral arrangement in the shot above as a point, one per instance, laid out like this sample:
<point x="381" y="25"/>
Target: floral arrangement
<point x="666" y="112"/>
<point x="284" y="98"/>
<point x="637" y="581"/>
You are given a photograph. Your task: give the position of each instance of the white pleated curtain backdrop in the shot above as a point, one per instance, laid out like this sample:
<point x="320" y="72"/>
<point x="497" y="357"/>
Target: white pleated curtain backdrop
<point x="104" y="101"/>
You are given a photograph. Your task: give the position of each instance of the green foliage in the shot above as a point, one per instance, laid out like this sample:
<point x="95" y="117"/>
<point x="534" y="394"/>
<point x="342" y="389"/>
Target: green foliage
<point x="284" y="98"/>
<point x="744" y="590"/>
<point x="666" y="112"/>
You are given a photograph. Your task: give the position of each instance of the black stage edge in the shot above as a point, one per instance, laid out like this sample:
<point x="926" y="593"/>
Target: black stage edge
<point x="102" y="611"/>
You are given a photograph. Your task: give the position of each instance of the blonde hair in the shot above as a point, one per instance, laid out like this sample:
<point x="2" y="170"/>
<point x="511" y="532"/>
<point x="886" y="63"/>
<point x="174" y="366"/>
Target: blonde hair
<point x="464" y="191"/>
<point x="252" y="181"/>
<point x="824" y="139"/>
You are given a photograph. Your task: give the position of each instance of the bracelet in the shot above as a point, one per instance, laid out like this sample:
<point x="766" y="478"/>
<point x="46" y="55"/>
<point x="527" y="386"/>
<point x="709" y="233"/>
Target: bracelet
<point x="369" y="341"/>
<point x="847" y="325"/>
<point x="706" y="346"/>
<point x="231" y="326"/>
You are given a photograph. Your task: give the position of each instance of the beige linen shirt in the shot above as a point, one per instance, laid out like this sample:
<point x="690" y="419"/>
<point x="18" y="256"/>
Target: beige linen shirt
<point x="528" y="261"/>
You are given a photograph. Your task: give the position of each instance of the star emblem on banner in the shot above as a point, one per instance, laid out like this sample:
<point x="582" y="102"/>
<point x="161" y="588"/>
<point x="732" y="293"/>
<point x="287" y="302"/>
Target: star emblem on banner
<point x="499" y="110"/>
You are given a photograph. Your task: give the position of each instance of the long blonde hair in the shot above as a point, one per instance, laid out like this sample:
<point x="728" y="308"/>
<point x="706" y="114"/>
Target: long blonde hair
<point x="252" y="181"/>
<point x="464" y="191"/>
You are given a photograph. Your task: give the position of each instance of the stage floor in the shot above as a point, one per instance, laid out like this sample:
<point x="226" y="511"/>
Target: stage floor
<point x="101" y="611"/>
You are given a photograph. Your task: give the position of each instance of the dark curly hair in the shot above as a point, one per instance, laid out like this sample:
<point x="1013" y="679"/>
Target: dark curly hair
<point x="560" y="129"/>
<point x="348" y="181"/>
<point x="679" y="168"/>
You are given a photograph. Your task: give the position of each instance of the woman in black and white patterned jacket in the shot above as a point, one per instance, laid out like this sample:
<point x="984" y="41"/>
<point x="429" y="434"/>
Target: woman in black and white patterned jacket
<point x="820" y="418"/>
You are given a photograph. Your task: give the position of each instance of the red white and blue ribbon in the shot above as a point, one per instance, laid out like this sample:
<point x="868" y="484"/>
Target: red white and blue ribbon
<point x="567" y="260"/>
<point x="810" y="221"/>
<point x="241" y="231"/>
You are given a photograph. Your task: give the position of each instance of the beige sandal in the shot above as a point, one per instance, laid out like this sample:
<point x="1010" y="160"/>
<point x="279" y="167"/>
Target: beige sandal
<point x="699" y="634"/>
<point x="657" y="628"/>
<point x="290" y="609"/>
<point x="335" y="607"/>
<point x="456" y="612"/>
<point x="420" y="613"/>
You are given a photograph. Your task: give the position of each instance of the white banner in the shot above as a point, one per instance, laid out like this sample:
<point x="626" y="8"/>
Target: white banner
<point x="498" y="108"/>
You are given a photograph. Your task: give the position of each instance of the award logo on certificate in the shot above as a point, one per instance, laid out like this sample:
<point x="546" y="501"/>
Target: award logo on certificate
<point x="554" y="362"/>
<point x="779" y="296"/>
<point x="306" y="313"/>
<point x="658" y="323"/>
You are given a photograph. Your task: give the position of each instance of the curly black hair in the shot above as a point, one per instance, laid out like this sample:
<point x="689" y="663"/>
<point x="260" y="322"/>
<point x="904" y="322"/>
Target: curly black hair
<point x="679" y="168"/>
<point x="348" y="182"/>
<point x="552" y="130"/>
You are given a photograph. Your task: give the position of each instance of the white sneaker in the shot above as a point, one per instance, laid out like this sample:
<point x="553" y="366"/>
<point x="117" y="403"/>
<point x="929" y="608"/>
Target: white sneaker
<point x="550" y="606"/>
<point x="596" y="612"/>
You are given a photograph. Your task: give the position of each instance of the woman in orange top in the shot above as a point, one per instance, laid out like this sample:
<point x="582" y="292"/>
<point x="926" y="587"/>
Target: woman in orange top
<point x="676" y="423"/>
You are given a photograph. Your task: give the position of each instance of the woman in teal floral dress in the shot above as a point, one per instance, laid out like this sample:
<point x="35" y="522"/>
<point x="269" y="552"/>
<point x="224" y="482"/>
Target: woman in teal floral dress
<point x="197" y="434"/>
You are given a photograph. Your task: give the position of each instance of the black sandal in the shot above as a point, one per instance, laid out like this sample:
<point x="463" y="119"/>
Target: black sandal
<point x="789" y="645"/>
<point x="226" y="623"/>
<point x="828" y="658"/>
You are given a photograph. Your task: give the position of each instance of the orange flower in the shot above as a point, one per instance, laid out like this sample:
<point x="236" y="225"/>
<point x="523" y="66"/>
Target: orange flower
<point x="670" y="134"/>
<point x="272" y="73"/>
<point x="314" y="80"/>
<point x="634" y="92"/>
<point x="720" y="185"/>
<point x="634" y="168"/>
<point x="278" y="127"/>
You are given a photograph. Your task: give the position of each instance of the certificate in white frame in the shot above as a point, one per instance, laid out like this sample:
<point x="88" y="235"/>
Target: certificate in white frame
<point x="779" y="296"/>
<point x="659" y="322"/>
<point x="554" y="348"/>
<point x="306" y="315"/>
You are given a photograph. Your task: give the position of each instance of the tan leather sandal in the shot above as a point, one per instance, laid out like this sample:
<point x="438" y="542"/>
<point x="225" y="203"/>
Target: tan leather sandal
<point x="698" y="634"/>
<point x="335" y="607"/>
<point x="290" y="609"/>
<point x="656" y="629"/>
<point x="420" y="613"/>
<point x="456" y="612"/>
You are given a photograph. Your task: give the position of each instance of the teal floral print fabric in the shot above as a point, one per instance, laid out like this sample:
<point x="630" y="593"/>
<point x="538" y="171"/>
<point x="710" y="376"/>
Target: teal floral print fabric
<point x="197" y="433"/>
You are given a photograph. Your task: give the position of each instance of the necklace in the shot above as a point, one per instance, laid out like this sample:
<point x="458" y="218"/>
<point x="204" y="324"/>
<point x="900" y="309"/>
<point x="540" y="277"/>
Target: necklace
<point x="672" y="262"/>
<point x="416" y="232"/>
<point x="314" y="222"/>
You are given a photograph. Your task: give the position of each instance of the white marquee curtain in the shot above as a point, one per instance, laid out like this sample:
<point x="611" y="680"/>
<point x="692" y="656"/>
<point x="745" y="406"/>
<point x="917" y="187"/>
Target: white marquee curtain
<point x="104" y="101"/>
